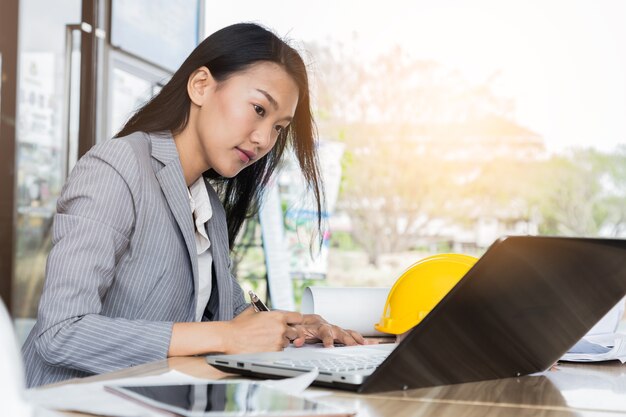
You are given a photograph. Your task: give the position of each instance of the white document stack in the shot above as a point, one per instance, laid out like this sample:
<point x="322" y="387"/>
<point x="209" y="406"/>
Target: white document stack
<point x="604" y="342"/>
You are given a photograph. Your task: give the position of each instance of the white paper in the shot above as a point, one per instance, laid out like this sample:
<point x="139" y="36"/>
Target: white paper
<point x="350" y="308"/>
<point x="603" y="342"/>
<point x="298" y="385"/>
<point x="92" y="397"/>
<point x="598" y="348"/>
<point x="295" y="385"/>
<point x="609" y="323"/>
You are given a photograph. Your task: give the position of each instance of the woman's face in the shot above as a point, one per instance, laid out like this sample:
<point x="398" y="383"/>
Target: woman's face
<point x="240" y="118"/>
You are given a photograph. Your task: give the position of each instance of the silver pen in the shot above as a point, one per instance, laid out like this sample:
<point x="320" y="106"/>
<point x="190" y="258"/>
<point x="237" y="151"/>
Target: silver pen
<point x="257" y="303"/>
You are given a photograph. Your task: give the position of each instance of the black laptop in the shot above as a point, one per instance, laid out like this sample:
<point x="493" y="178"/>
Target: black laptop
<point x="525" y="302"/>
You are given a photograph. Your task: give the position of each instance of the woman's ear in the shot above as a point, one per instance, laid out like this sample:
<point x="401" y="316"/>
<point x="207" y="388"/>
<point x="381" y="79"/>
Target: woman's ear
<point x="199" y="85"/>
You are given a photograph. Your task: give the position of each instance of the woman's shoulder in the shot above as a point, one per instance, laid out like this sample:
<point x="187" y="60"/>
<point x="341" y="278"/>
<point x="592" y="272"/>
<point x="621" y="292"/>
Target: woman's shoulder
<point x="134" y="145"/>
<point x="144" y="146"/>
<point x="127" y="156"/>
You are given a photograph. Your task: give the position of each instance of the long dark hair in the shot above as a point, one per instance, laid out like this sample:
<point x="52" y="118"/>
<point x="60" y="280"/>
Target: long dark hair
<point x="225" y="52"/>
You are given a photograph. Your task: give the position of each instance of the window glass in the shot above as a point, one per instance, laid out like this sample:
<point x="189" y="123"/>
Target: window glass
<point x="458" y="123"/>
<point x="41" y="141"/>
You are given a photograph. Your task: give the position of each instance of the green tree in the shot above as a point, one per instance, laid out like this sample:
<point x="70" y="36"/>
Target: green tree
<point x="401" y="120"/>
<point x="583" y="193"/>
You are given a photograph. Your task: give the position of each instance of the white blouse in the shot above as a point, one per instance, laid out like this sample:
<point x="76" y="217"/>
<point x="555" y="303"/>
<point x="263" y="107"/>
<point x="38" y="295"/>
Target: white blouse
<point x="202" y="212"/>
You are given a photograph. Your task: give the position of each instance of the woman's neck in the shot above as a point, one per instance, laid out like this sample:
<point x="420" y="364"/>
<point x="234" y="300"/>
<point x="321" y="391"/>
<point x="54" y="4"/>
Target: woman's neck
<point x="190" y="156"/>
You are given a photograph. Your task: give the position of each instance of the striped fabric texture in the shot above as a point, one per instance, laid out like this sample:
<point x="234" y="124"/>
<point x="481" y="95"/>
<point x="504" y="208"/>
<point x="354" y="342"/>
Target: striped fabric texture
<point x="123" y="266"/>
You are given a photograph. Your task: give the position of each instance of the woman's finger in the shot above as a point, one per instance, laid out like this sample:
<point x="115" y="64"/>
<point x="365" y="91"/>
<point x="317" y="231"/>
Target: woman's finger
<point x="326" y="335"/>
<point x="344" y="337"/>
<point x="357" y="337"/>
<point x="301" y="337"/>
<point x="291" y="333"/>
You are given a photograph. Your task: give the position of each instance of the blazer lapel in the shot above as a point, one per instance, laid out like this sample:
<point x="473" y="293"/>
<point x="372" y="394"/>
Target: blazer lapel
<point x="174" y="188"/>
<point x="218" y="235"/>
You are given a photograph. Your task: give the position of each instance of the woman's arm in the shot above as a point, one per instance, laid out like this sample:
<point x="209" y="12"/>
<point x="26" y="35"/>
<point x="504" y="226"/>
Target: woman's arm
<point x="91" y="233"/>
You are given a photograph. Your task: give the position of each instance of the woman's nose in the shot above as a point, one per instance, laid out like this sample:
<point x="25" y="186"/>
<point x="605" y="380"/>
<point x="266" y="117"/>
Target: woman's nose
<point x="262" y="136"/>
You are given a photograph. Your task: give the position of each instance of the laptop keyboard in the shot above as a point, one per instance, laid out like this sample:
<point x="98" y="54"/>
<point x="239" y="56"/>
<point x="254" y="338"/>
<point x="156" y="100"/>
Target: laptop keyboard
<point x="335" y="364"/>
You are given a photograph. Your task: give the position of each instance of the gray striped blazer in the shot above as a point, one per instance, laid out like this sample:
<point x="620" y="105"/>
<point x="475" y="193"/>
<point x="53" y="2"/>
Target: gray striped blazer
<point x="123" y="266"/>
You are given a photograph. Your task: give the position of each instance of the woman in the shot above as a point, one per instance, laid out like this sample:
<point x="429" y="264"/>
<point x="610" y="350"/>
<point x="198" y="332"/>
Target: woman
<point x="140" y="266"/>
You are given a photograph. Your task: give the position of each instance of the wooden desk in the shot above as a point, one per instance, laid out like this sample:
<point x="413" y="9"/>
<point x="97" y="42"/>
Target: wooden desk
<point x="597" y="390"/>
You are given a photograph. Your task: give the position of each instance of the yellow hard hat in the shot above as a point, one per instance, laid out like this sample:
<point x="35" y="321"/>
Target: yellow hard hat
<point x="420" y="288"/>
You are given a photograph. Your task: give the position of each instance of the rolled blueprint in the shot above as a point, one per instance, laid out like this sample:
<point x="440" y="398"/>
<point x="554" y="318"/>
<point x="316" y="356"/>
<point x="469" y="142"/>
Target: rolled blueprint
<point x="351" y="308"/>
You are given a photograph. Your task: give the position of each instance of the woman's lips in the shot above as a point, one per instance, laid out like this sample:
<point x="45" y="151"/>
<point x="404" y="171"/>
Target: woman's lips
<point x="245" y="156"/>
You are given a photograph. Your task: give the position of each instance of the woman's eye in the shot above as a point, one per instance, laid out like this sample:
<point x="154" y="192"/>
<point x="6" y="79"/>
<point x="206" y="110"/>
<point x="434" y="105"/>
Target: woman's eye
<point x="259" y="110"/>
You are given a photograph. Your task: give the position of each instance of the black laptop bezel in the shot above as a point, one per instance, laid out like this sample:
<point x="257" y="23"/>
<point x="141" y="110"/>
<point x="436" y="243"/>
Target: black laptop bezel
<point x="395" y="374"/>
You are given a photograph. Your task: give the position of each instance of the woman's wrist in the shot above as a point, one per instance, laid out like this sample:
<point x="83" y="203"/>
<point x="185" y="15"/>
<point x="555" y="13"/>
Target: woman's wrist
<point x="198" y="338"/>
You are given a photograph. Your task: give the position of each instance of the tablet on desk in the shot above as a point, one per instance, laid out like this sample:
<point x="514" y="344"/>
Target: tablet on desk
<point x="223" y="399"/>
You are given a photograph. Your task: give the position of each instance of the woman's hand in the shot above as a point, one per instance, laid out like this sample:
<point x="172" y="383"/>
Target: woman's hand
<point x="246" y="333"/>
<point x="314" y="329"/>
<point x="267" y="331"/>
